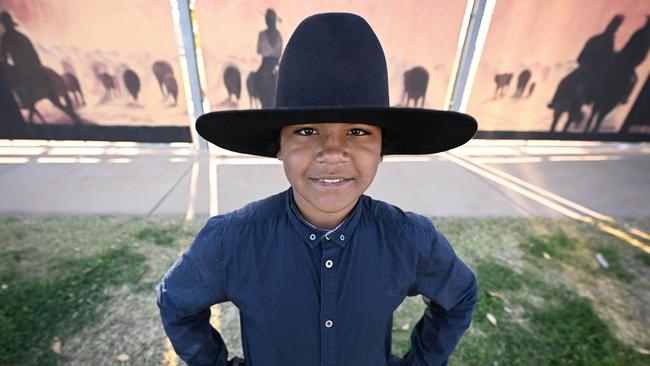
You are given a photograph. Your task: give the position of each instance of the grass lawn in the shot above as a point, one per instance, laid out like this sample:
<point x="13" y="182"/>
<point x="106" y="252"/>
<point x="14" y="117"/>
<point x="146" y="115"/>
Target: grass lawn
<point x="86" y="285"/>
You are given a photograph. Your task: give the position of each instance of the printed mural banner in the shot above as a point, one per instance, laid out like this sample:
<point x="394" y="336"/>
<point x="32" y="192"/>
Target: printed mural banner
<point x="565" y="69"/>
<point x="91" y="70"/>
<point x="242" y="42"/>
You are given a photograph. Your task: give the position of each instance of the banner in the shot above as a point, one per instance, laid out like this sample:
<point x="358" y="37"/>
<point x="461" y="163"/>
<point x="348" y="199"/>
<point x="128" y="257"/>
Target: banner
<point x="91" y="70"/>
<point x="573" y="69"/>
<point x="242" y="42"/>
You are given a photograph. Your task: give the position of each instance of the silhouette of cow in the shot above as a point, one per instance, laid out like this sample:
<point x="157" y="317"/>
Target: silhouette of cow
<point x="254" y="99"/>
<point x="132" y="83"/>
<point x="530" y="90"/>
<point x="161" y="69"/>
<point x="522" y="81"/>
<point x="171" y="86"/>
<point x="503" y="82"/>
<point x="109" y="85"/>
<point x="72" y="84"/>
<point x="415" y="86"/>
<point x="232" y="80"/>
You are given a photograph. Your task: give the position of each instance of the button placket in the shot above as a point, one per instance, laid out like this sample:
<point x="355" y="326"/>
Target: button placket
<point x="330" y="253"/>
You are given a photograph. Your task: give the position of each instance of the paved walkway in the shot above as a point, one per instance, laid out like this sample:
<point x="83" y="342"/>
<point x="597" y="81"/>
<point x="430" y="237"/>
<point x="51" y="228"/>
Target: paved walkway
<point x="482" y="178"/>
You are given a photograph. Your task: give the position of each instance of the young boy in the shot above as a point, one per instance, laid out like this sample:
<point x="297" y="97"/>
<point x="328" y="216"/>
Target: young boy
<point x="317" y="271"/>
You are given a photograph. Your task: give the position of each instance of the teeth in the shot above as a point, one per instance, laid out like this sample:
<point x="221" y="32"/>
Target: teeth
<point x="331" y="180"/>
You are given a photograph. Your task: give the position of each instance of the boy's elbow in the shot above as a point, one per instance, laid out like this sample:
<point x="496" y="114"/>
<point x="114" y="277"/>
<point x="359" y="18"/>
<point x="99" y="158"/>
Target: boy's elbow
<point x="473" y="294"/>
<point x="167" y="309"/>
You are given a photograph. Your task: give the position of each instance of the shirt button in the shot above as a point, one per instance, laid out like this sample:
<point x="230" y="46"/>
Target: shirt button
<point x="312" y="237"/>
<point x="328" y="323"/>
<point x="329" y="263"/>
<point x="327" y="237"/>
<point x="342" y="237"/>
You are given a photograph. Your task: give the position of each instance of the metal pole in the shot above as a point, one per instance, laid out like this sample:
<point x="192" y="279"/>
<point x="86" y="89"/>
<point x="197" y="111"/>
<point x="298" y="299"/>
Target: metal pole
<point x="182" y="12"/>
<point x="477" y="27"/>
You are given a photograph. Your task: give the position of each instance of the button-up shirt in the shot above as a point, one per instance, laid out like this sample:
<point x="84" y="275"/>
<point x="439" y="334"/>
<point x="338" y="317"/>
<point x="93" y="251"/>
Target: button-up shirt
<point x="312" y="297"/>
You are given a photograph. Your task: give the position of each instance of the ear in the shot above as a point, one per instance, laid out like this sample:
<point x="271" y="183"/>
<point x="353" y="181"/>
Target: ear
<point x="279" y="155"/>
<point x="381" y="158"/>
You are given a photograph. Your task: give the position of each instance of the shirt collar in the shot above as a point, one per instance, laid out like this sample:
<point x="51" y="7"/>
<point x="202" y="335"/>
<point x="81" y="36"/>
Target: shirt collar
<point x="312" y="235"/>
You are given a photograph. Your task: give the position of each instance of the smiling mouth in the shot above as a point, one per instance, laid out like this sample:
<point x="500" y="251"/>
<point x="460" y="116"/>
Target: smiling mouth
<point x="330" y="181"/>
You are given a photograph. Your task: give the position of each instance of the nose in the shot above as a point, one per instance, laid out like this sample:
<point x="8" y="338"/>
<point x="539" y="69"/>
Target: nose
<point x="332" y="149"/>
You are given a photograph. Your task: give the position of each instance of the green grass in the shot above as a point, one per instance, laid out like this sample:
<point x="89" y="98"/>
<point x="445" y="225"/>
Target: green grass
<point x="563" y="331"/>
<point x="62" y="276"/>
<point x="164" y="236"/>
<point x="33" y="313"/>
<point x="549" y="322"/>
<point x="90" y="282"/>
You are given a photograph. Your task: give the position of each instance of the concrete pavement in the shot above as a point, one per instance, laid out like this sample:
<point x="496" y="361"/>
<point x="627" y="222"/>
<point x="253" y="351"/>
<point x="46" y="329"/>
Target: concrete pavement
<point x="482" y="178"/>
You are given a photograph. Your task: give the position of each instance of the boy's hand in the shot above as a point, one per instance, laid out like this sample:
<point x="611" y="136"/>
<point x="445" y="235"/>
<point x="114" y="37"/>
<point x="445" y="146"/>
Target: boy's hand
<point x="396" y="361"/>
<point x="236" y="361"/>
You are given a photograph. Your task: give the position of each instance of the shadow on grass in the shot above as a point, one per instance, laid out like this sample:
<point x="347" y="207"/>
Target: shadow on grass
<point x="33" y="313"/>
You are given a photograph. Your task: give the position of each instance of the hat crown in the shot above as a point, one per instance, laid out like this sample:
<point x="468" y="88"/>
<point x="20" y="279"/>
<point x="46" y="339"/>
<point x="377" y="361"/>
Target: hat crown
<point x="332" y="60"/>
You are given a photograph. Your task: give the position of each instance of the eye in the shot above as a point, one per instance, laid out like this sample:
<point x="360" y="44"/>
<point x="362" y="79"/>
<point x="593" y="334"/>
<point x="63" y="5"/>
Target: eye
<point x="306" y="131"/>
<point x="358" y="132"/>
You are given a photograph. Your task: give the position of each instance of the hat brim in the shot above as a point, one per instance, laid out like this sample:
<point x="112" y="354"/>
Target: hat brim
<point x="411" y="131"/>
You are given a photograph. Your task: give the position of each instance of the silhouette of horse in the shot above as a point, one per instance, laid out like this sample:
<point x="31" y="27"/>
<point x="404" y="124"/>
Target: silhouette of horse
<point x="522" y="81"/>
<point x="503" y="82"/>
<point x="254" y="98"/>
<point x="619" y="77"/>
<point x="172" y="87"/>
<point x="132" y="83"/>
<point x="46" y="84"/>
<point x="569" y="97"/>
<point x="415" y="86"/>
<point x="72" y="84"/>
<point x="603" y="79"/>
<point x="232" y="80"/>
<point x="160" y="70"/>
<point x="26" y="75"/>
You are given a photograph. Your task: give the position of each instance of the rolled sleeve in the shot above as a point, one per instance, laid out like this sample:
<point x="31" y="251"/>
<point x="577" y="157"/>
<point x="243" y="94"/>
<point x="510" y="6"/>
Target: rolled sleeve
<point x="451" y="293"/>
<point x="184" y="297"/>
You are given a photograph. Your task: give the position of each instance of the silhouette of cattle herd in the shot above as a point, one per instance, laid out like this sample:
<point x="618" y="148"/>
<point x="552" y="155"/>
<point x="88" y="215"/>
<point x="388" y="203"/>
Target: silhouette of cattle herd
<point x="31" y="81"/>
<point x="502" y="82"/>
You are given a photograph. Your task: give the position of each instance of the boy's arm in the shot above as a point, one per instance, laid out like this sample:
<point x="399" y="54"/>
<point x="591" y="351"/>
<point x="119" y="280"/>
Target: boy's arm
<point x="185" y="295"/>
<point x="451" y="293"/>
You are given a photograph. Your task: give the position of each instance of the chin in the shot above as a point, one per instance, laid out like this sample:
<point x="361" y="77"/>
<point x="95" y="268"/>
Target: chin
<point x="334" y="205"/>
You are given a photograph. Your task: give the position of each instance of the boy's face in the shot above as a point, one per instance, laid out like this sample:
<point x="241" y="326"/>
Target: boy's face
<point x="329" y="165"/>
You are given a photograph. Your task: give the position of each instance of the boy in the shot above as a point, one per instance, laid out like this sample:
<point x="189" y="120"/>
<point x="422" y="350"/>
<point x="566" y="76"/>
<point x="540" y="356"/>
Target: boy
<point x="317" y="271"/>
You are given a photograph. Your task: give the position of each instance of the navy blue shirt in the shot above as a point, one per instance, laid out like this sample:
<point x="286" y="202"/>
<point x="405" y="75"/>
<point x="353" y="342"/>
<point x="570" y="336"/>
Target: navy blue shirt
<point x="312" y="297"/>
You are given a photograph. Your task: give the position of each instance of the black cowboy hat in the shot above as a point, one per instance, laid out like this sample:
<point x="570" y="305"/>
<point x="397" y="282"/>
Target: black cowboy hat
<point x="334" y="70"/>
<point x="6" y="19"/>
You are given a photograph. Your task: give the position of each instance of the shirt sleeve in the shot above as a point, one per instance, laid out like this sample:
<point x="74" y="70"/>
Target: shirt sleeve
<point x="451" y="292"/>
<point x="184" y="297"/>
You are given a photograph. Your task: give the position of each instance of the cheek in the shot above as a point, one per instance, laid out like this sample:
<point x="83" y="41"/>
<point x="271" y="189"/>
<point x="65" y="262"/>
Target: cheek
<point x="295" y="166"/>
